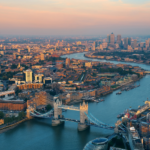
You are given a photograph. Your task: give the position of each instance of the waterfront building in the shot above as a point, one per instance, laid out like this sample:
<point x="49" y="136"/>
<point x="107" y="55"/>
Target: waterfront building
<point x="28" y="75"/>
<point x="67" y="62"/>
<point x="18" y="105"/>
<point x="1" y="121"/>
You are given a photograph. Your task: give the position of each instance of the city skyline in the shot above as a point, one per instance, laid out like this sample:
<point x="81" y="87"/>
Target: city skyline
<point x="98" y="17"/>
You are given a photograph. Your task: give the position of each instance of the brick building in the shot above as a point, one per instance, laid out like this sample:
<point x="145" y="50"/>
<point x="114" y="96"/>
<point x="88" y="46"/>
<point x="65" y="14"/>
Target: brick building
<point x="18" y="105"/>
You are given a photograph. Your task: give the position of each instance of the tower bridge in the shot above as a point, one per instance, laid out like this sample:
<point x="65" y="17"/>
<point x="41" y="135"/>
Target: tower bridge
<point x="86" y="118"/>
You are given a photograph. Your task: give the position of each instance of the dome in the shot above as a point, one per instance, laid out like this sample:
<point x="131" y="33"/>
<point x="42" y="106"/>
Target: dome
<point x="97" y="144"/>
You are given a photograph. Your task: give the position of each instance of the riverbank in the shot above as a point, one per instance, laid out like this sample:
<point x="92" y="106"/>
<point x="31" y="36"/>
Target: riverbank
<point x="109" y="92"/>
<point x="96" y="57"/>
<point x="11" y="126"/>
<point x="127" y="83"/>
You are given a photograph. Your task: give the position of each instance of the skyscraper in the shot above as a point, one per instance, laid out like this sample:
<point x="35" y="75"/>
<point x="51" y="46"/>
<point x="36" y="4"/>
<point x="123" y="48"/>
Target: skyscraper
<point x="129" y="41"/>
<point x="125" y="42"/>
<point x="112" y="38"/>
<point x="42" y="56"/>
<point x="28" y="49"/>
<point x="108" y="38"/>
<point x="67" y="62"/>
<point x="119" y="39"/>
<point x="28" y="75"/>
<point x="147" y="43"/>
<point x="135" y="43"/>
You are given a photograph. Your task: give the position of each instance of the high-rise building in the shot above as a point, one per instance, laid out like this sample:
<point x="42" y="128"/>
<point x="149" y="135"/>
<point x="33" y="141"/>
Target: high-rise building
<point x="129" y="41"/>
<point x="119" y="39"/>
<point x="108" y="38"/>
<point x="28" y="75"/>
<point x="135" y="43"/>
<point x="147" y="43"/>
<point x="125" y="42"/>
<point x="4" y="48"/>
<point x="14" y="56"/>
<point x="67" y="62"/>
<point x="42" y="56"/>
<point x="96" y="44"/>
<point x="93" y="46"/>
<point x="112" y="38"/>
<point x="28" y="49"/>
<point x="39" y="77"/>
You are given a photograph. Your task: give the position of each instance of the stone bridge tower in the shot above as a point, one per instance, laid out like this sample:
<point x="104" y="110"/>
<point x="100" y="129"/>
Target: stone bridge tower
<point x="83" y="118"/>
<point x="57" y="113"/>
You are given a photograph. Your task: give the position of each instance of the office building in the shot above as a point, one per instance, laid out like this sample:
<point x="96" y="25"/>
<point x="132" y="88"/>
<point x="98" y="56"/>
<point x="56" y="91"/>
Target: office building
<point x="135" y="43"/>
<point x="28" y="75"/>
<point x="129" y="41"/>
<point x="119" y="39"/>
<point x="28" y="49"/>
<point x="108" y="38"/>
<point x="42" y="56"/>
<point x="67" y="62"/>
<point x="38" y="78"/>
<point x="112" y="38"/>
<point x="147" y="43"/>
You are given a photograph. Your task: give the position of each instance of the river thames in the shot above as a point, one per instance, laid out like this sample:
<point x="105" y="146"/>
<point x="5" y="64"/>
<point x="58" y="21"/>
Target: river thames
<point x="39" y="135"/>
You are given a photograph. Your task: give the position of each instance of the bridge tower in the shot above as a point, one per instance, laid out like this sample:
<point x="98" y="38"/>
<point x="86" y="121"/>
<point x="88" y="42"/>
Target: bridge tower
<point x="83" y="118"/>
<point x="57" y="113"/>
<point x="28" y="110"/>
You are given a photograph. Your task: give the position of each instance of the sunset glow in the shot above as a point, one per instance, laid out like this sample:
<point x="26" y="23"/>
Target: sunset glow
<point x="60" y="17"/>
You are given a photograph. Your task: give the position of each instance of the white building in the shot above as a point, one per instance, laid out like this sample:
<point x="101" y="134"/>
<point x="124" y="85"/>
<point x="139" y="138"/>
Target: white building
<point x="28" y="75"/>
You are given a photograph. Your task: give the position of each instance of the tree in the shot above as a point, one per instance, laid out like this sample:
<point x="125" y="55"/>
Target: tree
<point x="13" y="66"/>
<point x="1" y="115"/>
<point x="21" y="115"/>
<point x="48" y="107"/>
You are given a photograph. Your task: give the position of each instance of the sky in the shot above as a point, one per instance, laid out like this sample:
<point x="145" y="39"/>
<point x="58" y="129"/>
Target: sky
<point x="74" y="17"/>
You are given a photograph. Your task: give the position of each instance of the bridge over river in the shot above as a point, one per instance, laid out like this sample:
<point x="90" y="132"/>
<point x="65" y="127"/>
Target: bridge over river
<point x="86" y="118"/>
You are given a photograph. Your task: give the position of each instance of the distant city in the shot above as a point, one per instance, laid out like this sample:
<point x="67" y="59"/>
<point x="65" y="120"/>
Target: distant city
<point x="38" y="79"/>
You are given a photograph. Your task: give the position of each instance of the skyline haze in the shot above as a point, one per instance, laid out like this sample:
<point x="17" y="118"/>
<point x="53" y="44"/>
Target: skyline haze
<point x="90" y="17"/>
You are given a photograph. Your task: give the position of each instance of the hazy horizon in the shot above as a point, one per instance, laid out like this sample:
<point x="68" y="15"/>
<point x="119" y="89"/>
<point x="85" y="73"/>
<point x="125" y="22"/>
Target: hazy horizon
<point x="74" y="18"/>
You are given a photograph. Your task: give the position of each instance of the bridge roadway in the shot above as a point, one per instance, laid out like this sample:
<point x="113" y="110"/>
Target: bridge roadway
<point x="92" y="121"/>
<point x="69" y="107"/>
<point x="87" y="123"/>
<point x="77" y="121"/>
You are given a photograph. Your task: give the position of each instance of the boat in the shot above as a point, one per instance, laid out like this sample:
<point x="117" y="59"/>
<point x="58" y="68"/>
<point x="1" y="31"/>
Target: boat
<point x="95" y="101"/>
<point x="120" y="115"/>
<point x="64" y="110"/>
<point x="101" y="100"/>
<point x="118" y="93"/>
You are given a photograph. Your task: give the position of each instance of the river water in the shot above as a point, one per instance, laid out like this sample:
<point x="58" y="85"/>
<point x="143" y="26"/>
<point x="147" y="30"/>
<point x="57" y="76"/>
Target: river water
<point x="39" y="135"/>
